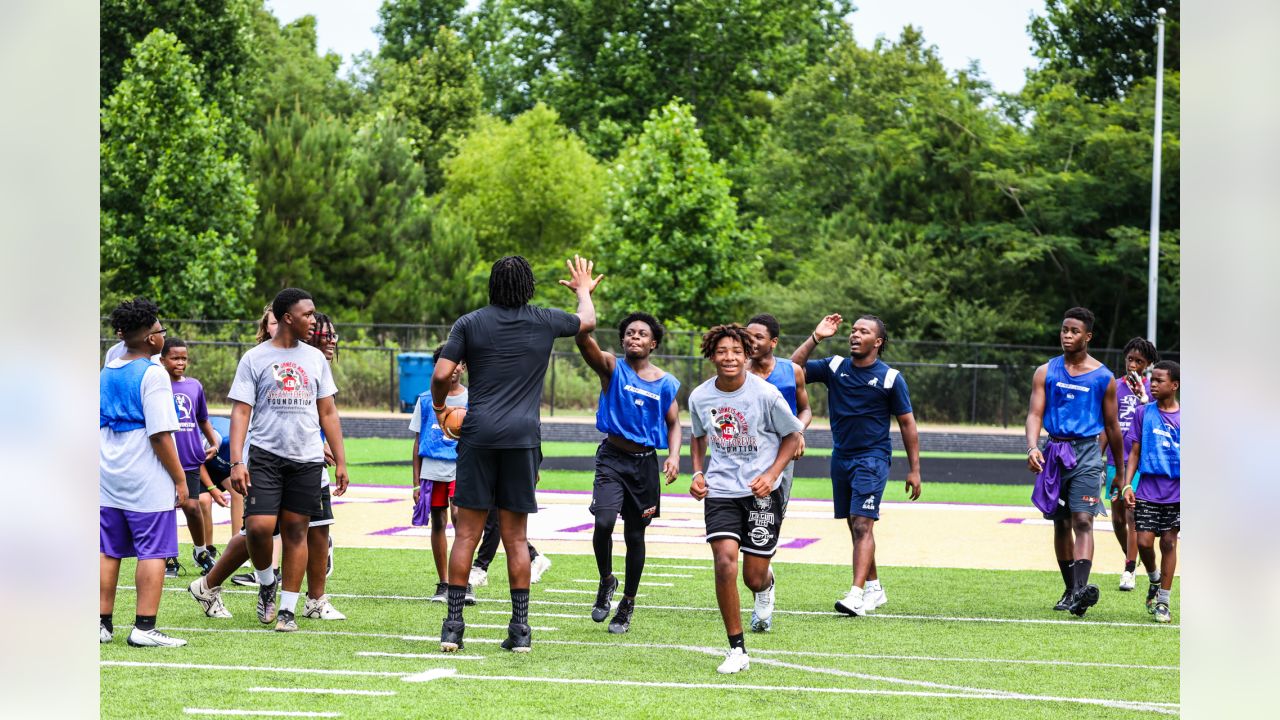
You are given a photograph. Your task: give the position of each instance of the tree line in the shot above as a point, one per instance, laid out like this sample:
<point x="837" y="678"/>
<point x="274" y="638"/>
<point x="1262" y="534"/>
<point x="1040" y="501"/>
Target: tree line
<point x="715" y="158"/>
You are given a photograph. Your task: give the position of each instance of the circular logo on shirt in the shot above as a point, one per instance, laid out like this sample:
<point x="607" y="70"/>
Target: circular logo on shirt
<point x="760" y="536"/>
<point x="289" y="377"/>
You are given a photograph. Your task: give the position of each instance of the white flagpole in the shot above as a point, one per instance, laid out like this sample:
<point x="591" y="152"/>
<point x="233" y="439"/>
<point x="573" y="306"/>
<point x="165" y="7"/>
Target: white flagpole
<point x="1153" y="253"/>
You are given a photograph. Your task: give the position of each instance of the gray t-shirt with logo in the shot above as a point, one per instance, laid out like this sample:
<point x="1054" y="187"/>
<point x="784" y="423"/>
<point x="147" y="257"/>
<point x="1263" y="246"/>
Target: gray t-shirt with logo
<point x="282" y="386"/>
<point x="744" y="429"/>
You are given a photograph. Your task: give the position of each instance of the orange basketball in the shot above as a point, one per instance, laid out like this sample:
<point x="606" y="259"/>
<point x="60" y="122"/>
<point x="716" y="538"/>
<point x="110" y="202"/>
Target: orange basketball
<point x="452" y="422"/>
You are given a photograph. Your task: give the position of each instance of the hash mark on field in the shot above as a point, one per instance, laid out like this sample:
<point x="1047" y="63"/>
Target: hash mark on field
<point x="650" y="584"/>
<point x="679" y="567"/>
<point x="577" y="592"/>
<point x="197" y="666"/>
<point x="541" y="615"/>
<point x="504" y="627"/>
<point x="260" y="713"/>
<point x="322" y="691"/>
<point x="427" y="656"/>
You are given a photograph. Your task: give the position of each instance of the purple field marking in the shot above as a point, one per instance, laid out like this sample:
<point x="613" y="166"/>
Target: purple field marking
<point x="391" y="530"/>
<point x="371" y="502"/>
<point x="578" y="528"/>
<point x="1012" y="521"/>
<point x="798" y="543"/>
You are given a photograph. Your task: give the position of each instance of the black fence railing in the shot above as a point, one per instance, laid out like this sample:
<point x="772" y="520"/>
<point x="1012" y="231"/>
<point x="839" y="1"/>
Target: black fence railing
<point x="975" y="383"/>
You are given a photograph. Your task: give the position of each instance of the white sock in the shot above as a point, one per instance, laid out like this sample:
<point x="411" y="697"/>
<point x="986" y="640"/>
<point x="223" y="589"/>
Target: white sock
<point x="288" y="600"/>
<point x="265" y="577"/>
<point x="873" y="585"/>
<point x="1154" y="577"/>
<point x="855" y="588"/>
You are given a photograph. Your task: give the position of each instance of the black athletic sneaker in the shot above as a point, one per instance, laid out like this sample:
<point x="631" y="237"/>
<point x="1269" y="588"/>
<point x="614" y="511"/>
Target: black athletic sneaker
<point x="267" y="602"/>
<point x="604" y="595"/>
<point x="1151" y="597"/>
<point x="1084" y="598"/>
<point x="621" y="622"/>
<point x="203" y="559"/>
<point x="172" y="567"/>
<point x="245" y="580"/>
<point x="519" y="638"/>
<point x="469" y="598"/>
<point x="286" y="622"/>
<point x="451" y="635"/>
<point x="1064" y="602"/>
<point x="442" y="592"/>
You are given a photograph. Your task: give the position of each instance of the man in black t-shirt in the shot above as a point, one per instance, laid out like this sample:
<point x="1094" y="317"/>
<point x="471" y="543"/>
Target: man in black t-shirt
<point x="507" y="347"/>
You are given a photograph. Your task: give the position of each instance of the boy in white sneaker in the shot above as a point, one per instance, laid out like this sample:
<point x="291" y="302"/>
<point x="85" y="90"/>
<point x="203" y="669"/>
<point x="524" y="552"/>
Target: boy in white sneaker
<point x="752" y="436"/>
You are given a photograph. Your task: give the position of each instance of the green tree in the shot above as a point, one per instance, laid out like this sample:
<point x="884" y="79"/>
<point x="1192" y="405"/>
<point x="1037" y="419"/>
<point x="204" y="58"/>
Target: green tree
<point x="291" y="75"/>
<point x="1105" y="45"/>
<point x="528" y="187"/>
<point x="436" y="97"/>
<point x="439" y="279"/>
<point x="671" y="243"/>
<point x="176" y="209"/>
<point x="409" y="27"/>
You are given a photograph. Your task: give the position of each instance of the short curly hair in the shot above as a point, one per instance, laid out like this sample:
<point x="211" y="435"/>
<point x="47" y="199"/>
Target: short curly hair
<point x="133" y="315"/>
<point x="655" y="327"/>
<point x="713" y="337"/>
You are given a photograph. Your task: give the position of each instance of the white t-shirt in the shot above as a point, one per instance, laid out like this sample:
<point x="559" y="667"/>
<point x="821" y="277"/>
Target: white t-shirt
<point x="282" y="385"/>
<point x="131" y="476"/>
<point x="117" y="351"/>
<point x="744" y="428"/>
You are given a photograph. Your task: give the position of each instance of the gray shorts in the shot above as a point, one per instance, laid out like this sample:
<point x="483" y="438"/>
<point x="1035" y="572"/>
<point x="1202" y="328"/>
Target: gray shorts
<point x="1082" y="485"/>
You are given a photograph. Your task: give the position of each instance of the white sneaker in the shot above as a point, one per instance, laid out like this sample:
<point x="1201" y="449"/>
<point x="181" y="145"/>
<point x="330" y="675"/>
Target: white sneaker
<point x="540" y="565"/>
<point x="873" y="598"/>
<point x="735" y="661"/>
<point x="153" y="638"/>
<point x="762" y="613"/>
<point x="853" y="603"/>
<point x="321" y="609"/>
<point x="210" y="599"/>
<point x="104" y="635"/>
<point x="1126" y="581"/>
<point x="480" y="576"/>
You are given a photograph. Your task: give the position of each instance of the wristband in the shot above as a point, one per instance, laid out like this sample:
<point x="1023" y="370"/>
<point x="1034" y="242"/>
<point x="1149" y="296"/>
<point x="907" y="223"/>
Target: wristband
<point x="1031" y="449"/>
<point x="816" y="341"/>
<point x="238" y="462"/>
<point x="439" y="408"/>
<point x="210" y="488"/>
<point x="697" y="474"/>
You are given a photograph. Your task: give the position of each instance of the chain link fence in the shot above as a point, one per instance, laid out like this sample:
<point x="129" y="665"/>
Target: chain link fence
<point x="971" y="383"/>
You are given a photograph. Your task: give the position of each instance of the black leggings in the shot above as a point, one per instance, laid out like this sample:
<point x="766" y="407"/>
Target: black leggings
<point x="602" y="542"/>
<point x="489" y="542"/>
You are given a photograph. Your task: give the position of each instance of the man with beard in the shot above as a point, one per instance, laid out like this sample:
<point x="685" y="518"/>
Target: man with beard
<point x="862" y="393"/>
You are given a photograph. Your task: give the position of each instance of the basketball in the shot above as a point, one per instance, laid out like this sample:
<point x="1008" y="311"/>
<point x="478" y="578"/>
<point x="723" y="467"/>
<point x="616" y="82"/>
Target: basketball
<point x="451" y="424"/>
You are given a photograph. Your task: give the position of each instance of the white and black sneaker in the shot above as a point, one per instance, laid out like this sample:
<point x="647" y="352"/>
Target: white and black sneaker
<point x="604" y="596"/>
<point x="537" y="567"/>
<point x="736" y="661"/>
<point x="267" y="602"/>
<point x="203" y="559"/>
<point x="762" y="613"/>
<point x="104" y="635"/>
<point x="172" y="568"/>
<point x="285" y="622"/>
<point x="479" y="576"/>
<point x="245" y="580"/>
<point x="442" y="593"/>
<point x="321" y="609"/>
<point x="470" y="597"/>
<point x="210" y="599"/>
<point x="152" y="638"/>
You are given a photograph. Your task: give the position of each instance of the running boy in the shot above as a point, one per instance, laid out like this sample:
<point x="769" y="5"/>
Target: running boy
<point x="639" y="415"/>
<point x="753" y="436"/>
<point x="1156" y="451"/>
<point x="193" y="413"/>
<point x="1131" y="392"/>
<point x="139" y="473"/>
<point x="435" y="467"/>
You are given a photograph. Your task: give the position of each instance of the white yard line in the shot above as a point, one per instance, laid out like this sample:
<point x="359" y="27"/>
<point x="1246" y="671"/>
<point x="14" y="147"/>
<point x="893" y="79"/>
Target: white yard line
<point x="260" y="668"/>
<point x="504" y="627"/>
<point x="260" y="713"/>
<point x="422" y="656"/>
<point x="678" y="567"/>
<point x="649" y="584"/>
<point x="533" y="615"/>
<point x="571" y="591"/>
<point x="322" y="691"/>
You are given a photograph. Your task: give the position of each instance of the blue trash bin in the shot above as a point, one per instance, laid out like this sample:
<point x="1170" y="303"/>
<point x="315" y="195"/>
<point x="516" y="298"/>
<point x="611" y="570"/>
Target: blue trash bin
<point x="415" y="377"/>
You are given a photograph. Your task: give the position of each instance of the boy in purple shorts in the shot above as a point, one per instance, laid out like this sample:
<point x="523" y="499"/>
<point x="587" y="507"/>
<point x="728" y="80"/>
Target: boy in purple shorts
<point x="1156" y="452"/>
<point x="193" y="419"/>
<point x="139" y="473"/>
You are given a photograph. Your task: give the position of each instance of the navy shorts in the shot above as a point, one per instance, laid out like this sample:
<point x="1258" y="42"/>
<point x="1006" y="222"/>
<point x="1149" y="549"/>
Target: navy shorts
<point x="1082" y="486"/>
<point x="857" y="485"/>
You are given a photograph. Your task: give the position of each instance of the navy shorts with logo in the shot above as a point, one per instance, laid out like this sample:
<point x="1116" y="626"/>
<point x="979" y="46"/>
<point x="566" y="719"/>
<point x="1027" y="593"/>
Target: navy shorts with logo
<point x="754" y="522"/>
<point x="857" y="485"/>
<point x="626" y="483"/>
<point x="1082" y="486"/>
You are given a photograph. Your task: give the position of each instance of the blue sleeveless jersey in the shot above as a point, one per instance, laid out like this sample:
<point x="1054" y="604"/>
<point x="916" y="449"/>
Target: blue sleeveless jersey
<point x="636" y="409"/>
<point x="120" y="396"/>
<point x="783" y="377"/>
<point x="1073" y="404"/>
<point x="432" y="443"/>
<point x="1161" y="445"/>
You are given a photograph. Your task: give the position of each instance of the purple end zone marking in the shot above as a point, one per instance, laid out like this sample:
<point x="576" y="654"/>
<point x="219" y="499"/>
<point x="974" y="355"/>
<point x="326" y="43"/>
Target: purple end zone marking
<point x="370" y="502"/>
<point x="798" y="543"/>
<point x="1012" y="521"/>
<point x="579" y="528"/>
<point x="391" y="531"/>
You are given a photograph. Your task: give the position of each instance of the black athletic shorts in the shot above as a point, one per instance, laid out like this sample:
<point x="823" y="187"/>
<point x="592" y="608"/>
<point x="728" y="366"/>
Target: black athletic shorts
<point x="326" y="509"/>
<point x="754" y="522"/>
<point x="501" y="477"/>
<point x="1158" y="518"/>
<point x="626" y="483"/>
<point x="277" y="483"/>
<point x="195" y="485"/>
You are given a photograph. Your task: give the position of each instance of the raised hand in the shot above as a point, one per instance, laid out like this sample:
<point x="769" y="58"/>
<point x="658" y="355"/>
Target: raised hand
<point x="829" y="326"/>
<point x="580" y="272"/>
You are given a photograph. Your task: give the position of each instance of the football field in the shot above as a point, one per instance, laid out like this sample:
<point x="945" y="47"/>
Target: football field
<point x="968" y="631"/>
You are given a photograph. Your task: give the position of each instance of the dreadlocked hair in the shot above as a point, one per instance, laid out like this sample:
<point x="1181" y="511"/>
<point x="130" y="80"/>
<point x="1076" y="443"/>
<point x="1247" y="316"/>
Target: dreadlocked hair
<point x="655" y="327"/>
<point x="133" y="315"/>
<point x="719" y="332"/>
<point x="263" y="335"/>
<point x="1143" y="347"/>
<point x="769" y="322"/>
<point x="511" y="282"/>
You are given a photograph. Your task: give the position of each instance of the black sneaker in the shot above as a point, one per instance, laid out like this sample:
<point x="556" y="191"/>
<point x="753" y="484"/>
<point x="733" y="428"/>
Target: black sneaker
<point x="245" y="580"/>
<point x="1151" y="597"/>
<point x="267" y="603"/>
<point x="451" y="635"/>
<point x="604" y="595"/>
<point x="519" y="638"/>
<point x="172" y="567"/>
<point x="469" y="598"/>
<point x="621" y="622"/>
<point x="286" y="622"/>
<point x="1084" y="598"/>
<point x="213" y="552"/>
<point x="442" y="593"/>
<point x="203" y="559"/>
<point x="1064" y="602"/>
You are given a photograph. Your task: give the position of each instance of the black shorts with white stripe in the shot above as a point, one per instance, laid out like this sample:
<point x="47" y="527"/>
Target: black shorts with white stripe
<point x="753" y="522"/>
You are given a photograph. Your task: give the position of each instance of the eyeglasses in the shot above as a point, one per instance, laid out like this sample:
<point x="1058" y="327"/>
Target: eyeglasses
<point x="328" y="336"/>
<point x="162" y="332"/>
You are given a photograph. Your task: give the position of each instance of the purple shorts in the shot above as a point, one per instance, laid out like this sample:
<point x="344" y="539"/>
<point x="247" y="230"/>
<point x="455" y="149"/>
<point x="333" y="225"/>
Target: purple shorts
<point x="144" y="535"/>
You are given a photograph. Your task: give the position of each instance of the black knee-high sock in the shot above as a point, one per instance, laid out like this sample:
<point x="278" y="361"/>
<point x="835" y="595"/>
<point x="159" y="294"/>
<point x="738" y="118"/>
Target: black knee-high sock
<point x="520" y="606"/>
<point x="1082" y="568"/>
<point x="457" y="596"/>
<point x="1068" y="573"/>
<point x="602" y="543"/>
<point x="635" y="557"/>
<point x="106" y="622"/>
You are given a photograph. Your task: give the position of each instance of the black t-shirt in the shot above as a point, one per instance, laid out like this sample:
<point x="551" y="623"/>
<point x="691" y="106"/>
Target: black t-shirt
<point x="507" y="351"/>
